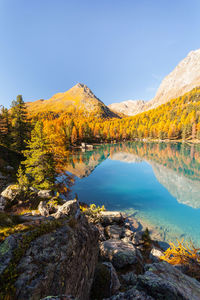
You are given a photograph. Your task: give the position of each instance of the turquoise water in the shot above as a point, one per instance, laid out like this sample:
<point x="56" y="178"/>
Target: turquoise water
<point x="157" y="183"/>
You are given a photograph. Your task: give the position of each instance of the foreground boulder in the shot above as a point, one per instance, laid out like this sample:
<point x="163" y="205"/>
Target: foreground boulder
<point x="114" y="231"/>
<point x="120" y="253"/>
<point x="60" y="262"/>
<point x="106" y="282"/>
<point x="11" y="192"/>
<point x="45" y="194"/>
<point x="155" y="254"/>
<point x="163" y="281"/>
<point x="43" y="209"/>
<point x="70" y="208"/>
<point x="112" y="217"/>
<point x="133" y="294"/>
<point x="61" y="297"/>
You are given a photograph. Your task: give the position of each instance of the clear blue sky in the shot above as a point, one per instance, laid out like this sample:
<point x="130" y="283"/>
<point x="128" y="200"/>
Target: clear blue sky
<point x="121" y="49"/>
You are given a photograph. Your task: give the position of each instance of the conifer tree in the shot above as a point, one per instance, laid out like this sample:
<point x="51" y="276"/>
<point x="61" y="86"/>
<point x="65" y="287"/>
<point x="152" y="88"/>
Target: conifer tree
<point x="20" y="126"/>
<point x="39" y="163"/>
<point x="74" y="136"/>
<point x="4" y="127"/>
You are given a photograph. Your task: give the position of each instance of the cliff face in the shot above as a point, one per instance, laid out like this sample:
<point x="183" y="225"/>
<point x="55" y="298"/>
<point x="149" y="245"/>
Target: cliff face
<point x="59" y="262"/>
<point x="181" y="80"/>
<point x="59" y="257"/>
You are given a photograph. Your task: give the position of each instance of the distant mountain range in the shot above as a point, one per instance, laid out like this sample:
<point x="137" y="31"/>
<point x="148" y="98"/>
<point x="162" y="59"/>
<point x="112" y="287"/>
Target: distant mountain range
<point x="181" y="80"/>
<point x="80" y="100"/>
<point x="128" y="108"/>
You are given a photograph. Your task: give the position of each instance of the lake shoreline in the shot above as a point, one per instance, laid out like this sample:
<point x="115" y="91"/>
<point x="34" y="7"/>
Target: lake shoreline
<point x="92" y="146"/>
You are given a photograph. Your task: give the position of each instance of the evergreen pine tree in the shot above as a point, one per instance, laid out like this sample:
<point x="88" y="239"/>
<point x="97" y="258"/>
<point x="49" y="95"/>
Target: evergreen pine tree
<point x="39" y="163"/>
<point x="5" y="127"/>
<point x="20" y="126"/>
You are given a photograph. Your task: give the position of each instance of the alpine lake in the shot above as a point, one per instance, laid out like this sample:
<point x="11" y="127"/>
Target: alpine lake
<point x="157" y="183"/>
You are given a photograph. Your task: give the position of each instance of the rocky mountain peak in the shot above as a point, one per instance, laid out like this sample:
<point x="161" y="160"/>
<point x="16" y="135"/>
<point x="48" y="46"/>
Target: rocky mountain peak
<point x="83" y="88"/>
<point x="128" y="107"/>
<point x="184" y="77"/>
<point x="181" y="80"/>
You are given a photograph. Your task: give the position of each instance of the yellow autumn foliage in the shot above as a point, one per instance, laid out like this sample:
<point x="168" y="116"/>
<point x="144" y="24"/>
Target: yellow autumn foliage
<point x="184" y="253"/>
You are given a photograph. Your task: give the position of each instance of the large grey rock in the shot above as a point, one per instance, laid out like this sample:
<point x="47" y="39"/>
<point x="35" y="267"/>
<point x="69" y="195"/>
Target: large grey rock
<point x="111" y="217"/>
<point x="114" y="280"/>
<point x="137" y="238"/>
<point x="120" y="253"/>
<point x="114" y="231"/>
<point x="132" y="294"/>
<point x="155" y="254"/>
<point x="46" y="194"/>
<point x="9" y="168"/>
<point x="163" y="281"/>
<point x="101" y="232"/>
<point x="11" y="192"/>
<point x="70" y="208"/>
<point x="2" y="203"/>
<point x="59" y="263"/>
<point x="6" y="251"/>
<point x="129" y="278"/>
<point x="43" y="209"/>
<point x="106" y="282"/>
<point x="132" y="224"/>
<point x="61" y="297"/>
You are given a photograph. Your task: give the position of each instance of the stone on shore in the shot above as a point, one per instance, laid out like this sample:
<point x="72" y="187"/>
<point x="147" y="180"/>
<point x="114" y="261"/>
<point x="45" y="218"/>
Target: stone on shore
<point x="11" y="192"/>
<point x="114" y="231"/>
<point x="43" y="209"/>
<point x="111" y="217"/>
<point x="129" y="278"/>
<point x="133" y="294"/>
<point x="45" y="194"/>
<point x="70" y="208"/>
<point x="155" y="254"/>
<point x="106" y="282"/>
<point x="120" y="253"/>
<point x="164" y="281"/>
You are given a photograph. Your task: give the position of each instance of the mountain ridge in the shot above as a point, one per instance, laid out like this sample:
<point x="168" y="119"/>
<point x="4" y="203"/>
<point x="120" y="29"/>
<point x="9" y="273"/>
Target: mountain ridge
<point x="79" y="100"/>
<point x="182" y="79"/>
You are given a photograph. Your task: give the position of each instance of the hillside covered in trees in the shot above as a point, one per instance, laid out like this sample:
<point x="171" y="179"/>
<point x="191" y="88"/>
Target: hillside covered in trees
<point x="178" y="119"/>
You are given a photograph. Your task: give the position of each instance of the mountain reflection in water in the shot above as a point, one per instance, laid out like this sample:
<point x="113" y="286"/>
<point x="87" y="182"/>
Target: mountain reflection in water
<point x="175" y="165"/>
<point x="159" y="183"/>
